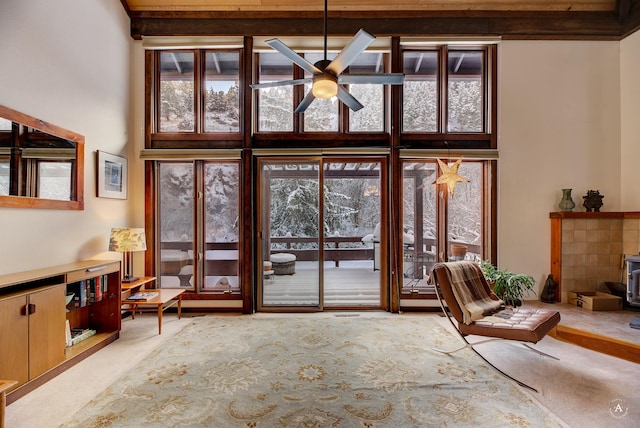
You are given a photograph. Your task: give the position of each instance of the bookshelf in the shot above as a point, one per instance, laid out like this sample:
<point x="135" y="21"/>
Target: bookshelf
<point x="34" y="315"/>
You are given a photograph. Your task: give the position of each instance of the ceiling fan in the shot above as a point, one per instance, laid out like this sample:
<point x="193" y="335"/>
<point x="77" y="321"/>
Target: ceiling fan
<point x="327" y="77"/>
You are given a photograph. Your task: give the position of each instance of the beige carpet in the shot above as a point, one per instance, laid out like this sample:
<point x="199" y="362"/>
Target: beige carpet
<point x="300" y="371"/>
<point x="561" y="383"/>
<point x="583" y="388"/>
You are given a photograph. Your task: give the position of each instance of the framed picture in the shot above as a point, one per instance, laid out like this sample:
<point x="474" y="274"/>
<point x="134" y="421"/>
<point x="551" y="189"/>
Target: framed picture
<point x="112" y="176"/>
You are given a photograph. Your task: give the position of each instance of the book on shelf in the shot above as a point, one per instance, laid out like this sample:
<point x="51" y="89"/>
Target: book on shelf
<point x="80" y="334"/>
<point x="105" y="286"/>
<point x="68" y="336"/>
<point x="79" y="294"/>
<point x="142" y="296"/>
<point x="96" y="289"/>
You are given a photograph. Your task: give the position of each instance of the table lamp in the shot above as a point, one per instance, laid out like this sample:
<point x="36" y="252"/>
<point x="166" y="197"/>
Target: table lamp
<point x="127" y="240"/>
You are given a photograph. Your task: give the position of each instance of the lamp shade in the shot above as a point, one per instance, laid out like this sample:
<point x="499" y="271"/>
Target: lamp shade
<point x="127" y="239"/>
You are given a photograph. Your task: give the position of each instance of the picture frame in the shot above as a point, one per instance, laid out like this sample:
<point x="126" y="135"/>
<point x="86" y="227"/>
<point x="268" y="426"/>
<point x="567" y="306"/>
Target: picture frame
<point x="112" y="176"/>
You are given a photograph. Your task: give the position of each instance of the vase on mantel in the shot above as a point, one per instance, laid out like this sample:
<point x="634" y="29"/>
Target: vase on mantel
<point x="566" y="204"/>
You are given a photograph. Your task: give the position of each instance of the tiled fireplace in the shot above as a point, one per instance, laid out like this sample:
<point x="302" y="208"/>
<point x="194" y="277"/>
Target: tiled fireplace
<point x="588" y="248"/>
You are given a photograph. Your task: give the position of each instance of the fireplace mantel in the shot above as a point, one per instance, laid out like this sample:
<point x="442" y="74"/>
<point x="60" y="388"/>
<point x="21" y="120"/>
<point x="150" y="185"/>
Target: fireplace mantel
<point x="595" y="215"/>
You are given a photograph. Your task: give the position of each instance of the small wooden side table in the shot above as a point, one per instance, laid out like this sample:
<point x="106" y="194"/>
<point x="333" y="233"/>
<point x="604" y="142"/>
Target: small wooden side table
<point x="5" y="385"/>
<point x="165" y="299"/>
<point x="129" y="288"/>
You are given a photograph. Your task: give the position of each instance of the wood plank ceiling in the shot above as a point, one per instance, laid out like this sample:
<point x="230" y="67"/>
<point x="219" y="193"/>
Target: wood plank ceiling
<point x="509" y="19"/>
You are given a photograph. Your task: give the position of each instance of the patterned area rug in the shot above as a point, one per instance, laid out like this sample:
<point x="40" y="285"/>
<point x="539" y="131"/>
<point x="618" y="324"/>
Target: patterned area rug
<point x="310" y="371"/>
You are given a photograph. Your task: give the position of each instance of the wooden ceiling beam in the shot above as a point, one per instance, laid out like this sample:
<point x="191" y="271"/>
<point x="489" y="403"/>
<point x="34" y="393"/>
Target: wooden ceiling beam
<point x="629" y="16"/>
<point x="508" y="25"/>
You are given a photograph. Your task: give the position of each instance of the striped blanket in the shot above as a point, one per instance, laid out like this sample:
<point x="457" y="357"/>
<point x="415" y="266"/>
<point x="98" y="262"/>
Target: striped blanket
<point x="468" y="285"/>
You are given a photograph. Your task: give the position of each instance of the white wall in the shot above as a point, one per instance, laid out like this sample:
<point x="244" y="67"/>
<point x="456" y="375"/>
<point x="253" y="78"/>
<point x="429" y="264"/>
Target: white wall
<point x="630" y="123"/>
<point x="66" y="62"/>
<point x="559" y="127"/>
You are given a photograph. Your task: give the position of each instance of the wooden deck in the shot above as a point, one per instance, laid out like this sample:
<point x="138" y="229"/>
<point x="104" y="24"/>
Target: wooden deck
<point x="353" y="283"/>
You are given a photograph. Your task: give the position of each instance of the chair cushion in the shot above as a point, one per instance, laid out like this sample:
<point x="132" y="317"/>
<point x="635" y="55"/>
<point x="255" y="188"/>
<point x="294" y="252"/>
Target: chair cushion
<point x="529" y="325"/>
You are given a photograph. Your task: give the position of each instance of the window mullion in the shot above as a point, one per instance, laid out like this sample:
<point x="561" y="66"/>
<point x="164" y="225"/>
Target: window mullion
<point x="298" y="95"/>
<point x="443" y="96"/>
<point x="198" y="221"/>
<point x="198" y="90"/>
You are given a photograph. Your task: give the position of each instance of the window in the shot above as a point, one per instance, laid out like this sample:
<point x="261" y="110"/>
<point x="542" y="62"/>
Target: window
<point x="54" y="180"/>
<point x="222" y="93"/>
<point x="434" y="222"/>
<point x="5" y="172"/>
<point x="217" y="109"/>
<point x="275" y="105"/>
<point x="461" y="108"/>
<point x="199" y="241"/>
<point x="177" y="92"/>
<point x="420" y="95"/>
<point x="465" y="91"/>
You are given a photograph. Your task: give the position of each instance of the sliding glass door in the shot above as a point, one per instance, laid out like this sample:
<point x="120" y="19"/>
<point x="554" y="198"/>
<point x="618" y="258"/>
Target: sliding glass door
<point x="318" y="239"/>
<point x="290" y="219"/>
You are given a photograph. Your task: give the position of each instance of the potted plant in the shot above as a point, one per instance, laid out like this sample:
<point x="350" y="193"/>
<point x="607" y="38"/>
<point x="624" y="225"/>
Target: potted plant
<point x="510" y="287"/>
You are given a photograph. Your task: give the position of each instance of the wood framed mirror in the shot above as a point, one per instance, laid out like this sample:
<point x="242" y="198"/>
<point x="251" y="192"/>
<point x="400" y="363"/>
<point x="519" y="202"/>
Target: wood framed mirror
<point x="41" y="164"/>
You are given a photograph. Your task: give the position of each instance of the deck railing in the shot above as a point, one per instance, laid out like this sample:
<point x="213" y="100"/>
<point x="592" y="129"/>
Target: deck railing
<point x="336" y="248"/>
<point x="333" y="250"/>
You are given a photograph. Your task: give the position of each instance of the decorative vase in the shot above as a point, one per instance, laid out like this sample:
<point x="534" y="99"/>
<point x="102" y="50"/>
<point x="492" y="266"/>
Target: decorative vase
<point x="458" y="251"/>
<point x="567" y="204"/>
<point x="593" y="200"/>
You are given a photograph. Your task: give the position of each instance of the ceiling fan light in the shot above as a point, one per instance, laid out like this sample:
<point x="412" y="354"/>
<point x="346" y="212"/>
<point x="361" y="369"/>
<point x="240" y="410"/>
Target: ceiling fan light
<point x="325" y="87"/>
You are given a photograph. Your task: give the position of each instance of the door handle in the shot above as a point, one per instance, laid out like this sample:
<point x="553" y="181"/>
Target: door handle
<point x="31" y="308"/>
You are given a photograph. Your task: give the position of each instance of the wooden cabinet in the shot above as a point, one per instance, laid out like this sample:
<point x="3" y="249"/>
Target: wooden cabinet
<point x="33" y="314"/>
<point x="33" y="329"/>
<point x="14" y="343"/>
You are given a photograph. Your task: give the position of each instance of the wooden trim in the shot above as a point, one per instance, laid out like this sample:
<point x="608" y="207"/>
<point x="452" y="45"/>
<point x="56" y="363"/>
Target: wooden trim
<point x="492" y="81"/>
<point x="248" y="228"/>
<point x="246" y="93"/>
<point x="492" y="184"/>
<point x="513" y="25"/>
<point x="594" y="215"/>
<point x="556" y="255"/>
<point x="596" y="342"/>
<point x="77" y="185"/>
<point x="150" y="218"/>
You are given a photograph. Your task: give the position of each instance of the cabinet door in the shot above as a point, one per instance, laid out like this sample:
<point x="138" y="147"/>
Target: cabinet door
<point x="46" y="329"/>
<point x="14" y="340"/>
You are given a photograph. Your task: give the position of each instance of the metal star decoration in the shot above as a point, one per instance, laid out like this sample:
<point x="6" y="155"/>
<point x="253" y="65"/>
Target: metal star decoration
<point x="450" y="175"/>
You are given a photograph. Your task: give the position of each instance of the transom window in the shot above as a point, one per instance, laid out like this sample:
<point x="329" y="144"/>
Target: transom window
<point x="275" y="106"/>
<point x="446" y="91"/>
<point x="216" y="109"/>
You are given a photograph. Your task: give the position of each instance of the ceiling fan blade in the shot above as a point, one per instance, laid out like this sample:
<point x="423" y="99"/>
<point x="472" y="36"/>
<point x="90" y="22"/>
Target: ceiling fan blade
<point x="280" y="83"/>
<point x="382" y="79"/>
<point x="306" y="101"/>
<point x="293" y="56"/>
<point x="348" y="99"/>
<point x="348" y="54"/>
